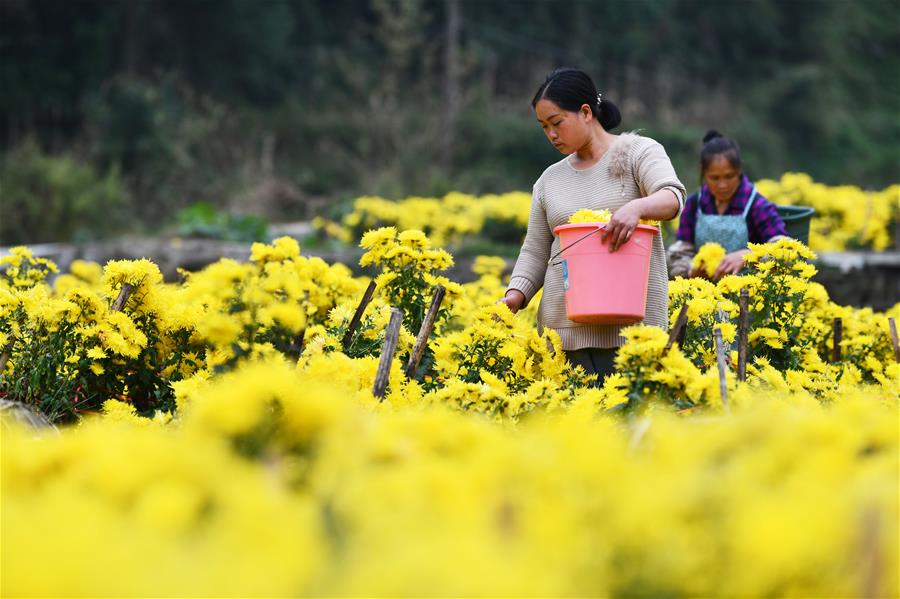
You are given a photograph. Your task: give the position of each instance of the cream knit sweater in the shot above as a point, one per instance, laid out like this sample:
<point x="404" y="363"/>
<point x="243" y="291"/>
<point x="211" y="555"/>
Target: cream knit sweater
<point x="633" y="167"/>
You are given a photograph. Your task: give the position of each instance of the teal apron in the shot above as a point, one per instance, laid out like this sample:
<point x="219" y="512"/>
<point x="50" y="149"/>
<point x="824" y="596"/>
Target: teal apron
<point x="728" y="230"/>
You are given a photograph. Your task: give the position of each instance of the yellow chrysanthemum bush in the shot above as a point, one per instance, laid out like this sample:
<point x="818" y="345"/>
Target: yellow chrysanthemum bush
<point x="777" y="283"/>
<point x="706" y="308"/>
<point x="407" y="264"/>
<point x="82" y="273"/>
<point x="489" y="285"/>
<point x="71" y="351"/>
<point x="407" y="267"/>
<point x="314" y="489"/>
<point x="846" y="217"/>
<point x="866" y="349"/>
<point x="263" y="307"/>
<point x="486" y="366"/>
<point x="367" y="339"/>
<point x="443" y="220"/>
<point x="282" y="476"/>
<point x="649" y="373"/>
<point x="23" y="270"/>
<point x="21" y="274"/>
<point x="447" y="220"/>
<point x="121" y="509"/>
<point x="505" y="216"/>
<point x="790" y="324"/>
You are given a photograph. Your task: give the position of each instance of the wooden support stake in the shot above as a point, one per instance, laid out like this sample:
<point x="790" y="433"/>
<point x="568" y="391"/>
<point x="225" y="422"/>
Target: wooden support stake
<point x="675" y="333"/>
<point x="721" y="314"/>
<point x="387" y="353"/>
<point x="357" y="316"/>
<point x="124" y="293"/>
<point x="893" y="326"/>
<point x="743" y="325"/>
<point x="836" y="347"/>
<point x="723" y="318"/>
<point x="296" y="346"/>
<point x="4" y="358"/>
<point x="720" y="360"/>
<point x="425" y="331"/>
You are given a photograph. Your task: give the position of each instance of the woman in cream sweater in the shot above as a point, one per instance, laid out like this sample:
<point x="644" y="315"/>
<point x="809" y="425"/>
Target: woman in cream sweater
<point x="627" y="174"/>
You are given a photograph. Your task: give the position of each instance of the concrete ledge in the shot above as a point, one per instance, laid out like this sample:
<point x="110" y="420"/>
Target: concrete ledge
<point x="847" y="261"/>
<point x="860" y="279"/>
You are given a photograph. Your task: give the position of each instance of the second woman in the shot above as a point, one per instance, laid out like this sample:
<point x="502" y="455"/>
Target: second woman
<point x="726" y="210"/>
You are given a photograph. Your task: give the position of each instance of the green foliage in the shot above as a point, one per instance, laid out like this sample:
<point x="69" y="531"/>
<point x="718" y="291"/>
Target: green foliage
<point x="202" y="103"/>
<point x="203" y="220"/>
<point x="133" y="123"/>
<point x="47" y="198"/>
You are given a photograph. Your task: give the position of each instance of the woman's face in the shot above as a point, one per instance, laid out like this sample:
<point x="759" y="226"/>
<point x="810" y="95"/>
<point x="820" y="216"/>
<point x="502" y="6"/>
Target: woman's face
<point x="567" y="131"/>
<point x="721" y="178"/>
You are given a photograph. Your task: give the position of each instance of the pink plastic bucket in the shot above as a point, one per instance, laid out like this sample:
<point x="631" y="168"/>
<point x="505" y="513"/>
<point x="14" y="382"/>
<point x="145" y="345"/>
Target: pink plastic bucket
<point x="603" y="287"/>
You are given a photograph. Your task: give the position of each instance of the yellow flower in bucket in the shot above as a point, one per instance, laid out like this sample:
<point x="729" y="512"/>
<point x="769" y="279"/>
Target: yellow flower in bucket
<point x="586" y="215"/>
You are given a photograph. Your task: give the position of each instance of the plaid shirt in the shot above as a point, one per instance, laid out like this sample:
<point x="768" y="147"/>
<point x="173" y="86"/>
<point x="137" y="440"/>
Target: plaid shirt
<point x="763" y="220"/>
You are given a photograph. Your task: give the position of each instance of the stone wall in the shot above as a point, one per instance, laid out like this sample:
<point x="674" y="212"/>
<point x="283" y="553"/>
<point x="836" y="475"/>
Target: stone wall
<point x="861" y="278"/>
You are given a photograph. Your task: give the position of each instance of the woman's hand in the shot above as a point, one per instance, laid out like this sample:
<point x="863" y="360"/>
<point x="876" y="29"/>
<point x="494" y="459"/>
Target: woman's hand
<point x="622" y="225"/>
<point x="731" y="264"/>
<point x="513" y="300"/>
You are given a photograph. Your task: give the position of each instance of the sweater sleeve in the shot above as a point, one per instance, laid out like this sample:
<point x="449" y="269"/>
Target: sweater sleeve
<point x="654" y="171"/>
<point x="531" y="265"/>
<point x="680" y="258"/>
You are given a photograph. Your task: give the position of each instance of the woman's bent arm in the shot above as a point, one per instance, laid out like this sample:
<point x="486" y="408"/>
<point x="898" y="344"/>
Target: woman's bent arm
<point x="659" y="205"/>
<point x="531" y="266"/>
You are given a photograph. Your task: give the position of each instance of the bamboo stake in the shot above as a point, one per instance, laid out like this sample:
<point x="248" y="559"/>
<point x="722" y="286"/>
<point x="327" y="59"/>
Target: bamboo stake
<point x="720" y="360"/>
<point x="674" y="334"/>
<point x="387" y="353"/>
<point x="124" y="293"/>
<point x="743" y="325"/>
<point x="357" y="316"/>
<point x="836" y="347"/>
<point x="721" y="314"/>
<point x="723" y="318"/>
<point x="425" y="331"/>
<point x="892" y="323"/>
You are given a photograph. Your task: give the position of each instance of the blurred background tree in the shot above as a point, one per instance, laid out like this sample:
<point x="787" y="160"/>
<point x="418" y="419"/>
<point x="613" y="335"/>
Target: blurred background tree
<point x="289" y="108"/>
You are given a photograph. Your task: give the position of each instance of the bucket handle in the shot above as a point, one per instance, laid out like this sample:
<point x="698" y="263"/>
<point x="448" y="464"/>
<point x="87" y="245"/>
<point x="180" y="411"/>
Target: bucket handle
<point x="582" y="238"/>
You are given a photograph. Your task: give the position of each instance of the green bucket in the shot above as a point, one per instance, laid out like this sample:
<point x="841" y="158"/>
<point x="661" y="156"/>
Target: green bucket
<point x="796" y="221"/>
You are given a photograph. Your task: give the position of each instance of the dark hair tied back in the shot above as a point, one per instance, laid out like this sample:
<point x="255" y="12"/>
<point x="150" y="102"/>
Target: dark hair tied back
<point x="711" y="134"/>
<point x="716" y="145"/>
<point x="570" y="89"/>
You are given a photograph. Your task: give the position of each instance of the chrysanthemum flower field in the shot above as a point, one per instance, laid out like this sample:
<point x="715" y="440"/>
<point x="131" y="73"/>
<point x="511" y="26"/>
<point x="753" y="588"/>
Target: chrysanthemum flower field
<point x="220" y="437"/>
<point x="846" y="217"/>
